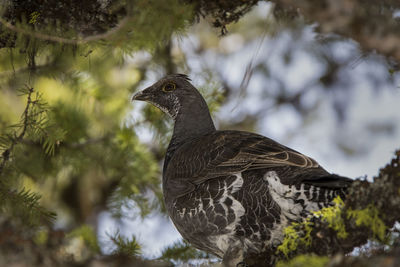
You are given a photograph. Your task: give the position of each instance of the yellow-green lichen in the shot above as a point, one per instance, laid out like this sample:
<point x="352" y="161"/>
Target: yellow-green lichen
<point x="290" y="241"/>
<point x="305" y="261"/>
<point x="292" y="238"/>
<point x="331" y="215"/>
<point x="369" y="217"/>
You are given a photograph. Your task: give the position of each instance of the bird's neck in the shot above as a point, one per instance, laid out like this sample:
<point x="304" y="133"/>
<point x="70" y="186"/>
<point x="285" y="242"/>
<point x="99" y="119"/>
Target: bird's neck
<point x="191" y="125"/>
<point x="192" y="121"/>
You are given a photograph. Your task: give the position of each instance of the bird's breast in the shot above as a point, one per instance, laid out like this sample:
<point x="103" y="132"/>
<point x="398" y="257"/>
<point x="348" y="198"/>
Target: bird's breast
<point x="208" y="216"/>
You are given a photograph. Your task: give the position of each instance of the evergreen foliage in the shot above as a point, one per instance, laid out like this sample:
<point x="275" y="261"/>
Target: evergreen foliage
<point x="124" y="246"/>
<point x="72" y="153"/>
<point x="72" y="133"/>
<point x="72" y="144"/>
<point x="21" y="203"/>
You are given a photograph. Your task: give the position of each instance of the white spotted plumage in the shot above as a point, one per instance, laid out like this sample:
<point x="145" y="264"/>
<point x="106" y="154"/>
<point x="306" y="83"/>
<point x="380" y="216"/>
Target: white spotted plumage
<point x="224" y="241"/>
<point x="285" y="197"/>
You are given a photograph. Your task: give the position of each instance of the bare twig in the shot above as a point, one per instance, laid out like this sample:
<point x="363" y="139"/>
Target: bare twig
<point x="57" y="39"/>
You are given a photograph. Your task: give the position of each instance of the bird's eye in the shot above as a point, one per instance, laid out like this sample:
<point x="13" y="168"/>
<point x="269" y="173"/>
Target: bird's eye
<point x="169" y="87"/>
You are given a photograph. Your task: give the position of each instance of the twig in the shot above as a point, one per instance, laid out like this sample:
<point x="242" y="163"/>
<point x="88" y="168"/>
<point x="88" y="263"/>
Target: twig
<point x="38" y="68"/>
<point x="58" y="39"/>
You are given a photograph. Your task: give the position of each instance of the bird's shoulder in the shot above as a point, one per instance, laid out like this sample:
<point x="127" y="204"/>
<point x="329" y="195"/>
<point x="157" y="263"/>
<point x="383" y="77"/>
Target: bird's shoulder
<point x="226" y="152"/>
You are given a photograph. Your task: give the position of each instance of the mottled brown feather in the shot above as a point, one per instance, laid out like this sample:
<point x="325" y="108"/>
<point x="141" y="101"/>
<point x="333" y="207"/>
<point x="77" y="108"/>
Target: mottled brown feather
<point x="223" y="153"/>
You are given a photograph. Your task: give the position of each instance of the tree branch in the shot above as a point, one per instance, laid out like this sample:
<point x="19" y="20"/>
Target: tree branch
<point x="370" y="210"/>
<point x="25" y="123"/>
<point x="371" y="23"/>
<point x="79" y="40"/>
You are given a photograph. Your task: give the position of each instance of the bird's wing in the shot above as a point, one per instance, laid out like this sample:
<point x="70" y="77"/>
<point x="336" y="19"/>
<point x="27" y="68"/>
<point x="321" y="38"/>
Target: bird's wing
<point x="227" y="152"/>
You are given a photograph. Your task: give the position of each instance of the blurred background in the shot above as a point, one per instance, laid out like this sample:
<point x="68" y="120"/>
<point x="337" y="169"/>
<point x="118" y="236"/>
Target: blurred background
<point x="95" y="158"/>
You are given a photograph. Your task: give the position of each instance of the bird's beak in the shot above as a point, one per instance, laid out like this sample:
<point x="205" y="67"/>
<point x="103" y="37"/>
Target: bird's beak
<point x="142" y="96"/>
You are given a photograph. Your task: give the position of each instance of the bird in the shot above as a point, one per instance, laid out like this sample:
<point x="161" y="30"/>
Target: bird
<point x="232" y="193"/>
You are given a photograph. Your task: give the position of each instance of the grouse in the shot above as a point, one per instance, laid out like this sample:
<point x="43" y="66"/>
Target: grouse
<point x="231" y="193"/>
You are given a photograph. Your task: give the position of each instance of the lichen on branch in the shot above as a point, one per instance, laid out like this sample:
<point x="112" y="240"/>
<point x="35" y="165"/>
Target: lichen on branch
<point x="361" y="217"/>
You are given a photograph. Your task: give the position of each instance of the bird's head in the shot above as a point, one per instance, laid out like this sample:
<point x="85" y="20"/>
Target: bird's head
<point x="170" y="94"/>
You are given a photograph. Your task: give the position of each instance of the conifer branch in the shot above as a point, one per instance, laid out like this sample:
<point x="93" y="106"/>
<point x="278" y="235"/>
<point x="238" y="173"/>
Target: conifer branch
<point x="25" y="123"/>
<point x="124" y="246"/>
<point x="23" y="203"/>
